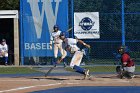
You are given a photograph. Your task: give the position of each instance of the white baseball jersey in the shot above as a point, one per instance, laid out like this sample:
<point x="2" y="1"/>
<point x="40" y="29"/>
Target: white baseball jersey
<point x="73" y="44"/>
<point x="55" y="37"/>
<point x="78" y="55"/>
<point x="4" y="48"/>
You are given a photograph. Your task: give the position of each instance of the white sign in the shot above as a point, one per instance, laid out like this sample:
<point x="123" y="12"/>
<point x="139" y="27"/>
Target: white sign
<point x="86" y="25"/>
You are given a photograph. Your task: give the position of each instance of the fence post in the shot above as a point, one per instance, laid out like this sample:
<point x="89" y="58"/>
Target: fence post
<point x="123" y="24"/>
<point x="72" y="11"/>
<point x="21" y="35"/>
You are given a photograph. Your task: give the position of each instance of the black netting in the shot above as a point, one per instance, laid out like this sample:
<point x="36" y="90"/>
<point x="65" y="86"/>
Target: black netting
<point x="103" y="51"/>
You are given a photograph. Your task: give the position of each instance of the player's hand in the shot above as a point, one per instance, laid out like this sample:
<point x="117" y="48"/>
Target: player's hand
<point x="50" y="46"/>
<point x="58" y="61"/>
<point x="88" y="46"/>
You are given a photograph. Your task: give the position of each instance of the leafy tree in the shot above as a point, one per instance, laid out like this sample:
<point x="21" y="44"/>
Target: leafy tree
<point x="9" y="4"/>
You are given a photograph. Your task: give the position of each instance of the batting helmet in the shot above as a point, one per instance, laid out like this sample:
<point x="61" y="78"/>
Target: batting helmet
<point x="62" y="35"/>
<point x="3" y="40"/>
<point x="55" y="26"/>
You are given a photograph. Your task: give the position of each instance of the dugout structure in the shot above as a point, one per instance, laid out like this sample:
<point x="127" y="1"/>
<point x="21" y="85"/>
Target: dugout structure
<point x="14" y="15"/>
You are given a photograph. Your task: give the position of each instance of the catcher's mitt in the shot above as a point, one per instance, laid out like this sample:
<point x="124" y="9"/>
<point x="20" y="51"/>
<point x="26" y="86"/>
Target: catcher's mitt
<point x="119" y="69"/>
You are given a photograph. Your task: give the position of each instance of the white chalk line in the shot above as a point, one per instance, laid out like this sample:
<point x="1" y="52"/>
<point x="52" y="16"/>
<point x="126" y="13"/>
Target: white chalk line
<point x="22" y="88"/>
<point x="28" y="87"/>
<point x="16" y="80"/>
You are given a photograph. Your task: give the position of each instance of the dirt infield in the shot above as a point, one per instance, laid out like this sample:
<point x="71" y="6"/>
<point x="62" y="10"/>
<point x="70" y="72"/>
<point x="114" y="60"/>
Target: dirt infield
<point x="30" y="84"/>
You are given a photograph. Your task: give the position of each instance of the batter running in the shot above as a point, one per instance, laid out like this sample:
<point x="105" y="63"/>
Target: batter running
<point x="71" y="46"/>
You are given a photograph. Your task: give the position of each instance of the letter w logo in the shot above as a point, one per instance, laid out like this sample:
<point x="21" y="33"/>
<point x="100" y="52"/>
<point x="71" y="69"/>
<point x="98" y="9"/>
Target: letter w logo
<point x="39" y="16"/>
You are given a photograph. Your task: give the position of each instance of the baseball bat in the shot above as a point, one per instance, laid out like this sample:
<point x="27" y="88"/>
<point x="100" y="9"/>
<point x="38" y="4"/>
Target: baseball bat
<point x="50" y="70"/>
<point x="70" y="29"/>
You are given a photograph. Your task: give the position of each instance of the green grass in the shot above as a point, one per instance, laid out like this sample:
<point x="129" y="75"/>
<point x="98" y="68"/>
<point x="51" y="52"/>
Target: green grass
<point x="16" y="70"/>
<point x="137" y="68"/>
<point x="97" y="69"/>
<point x="28" y="70"/>
<point x="102" y="69"/>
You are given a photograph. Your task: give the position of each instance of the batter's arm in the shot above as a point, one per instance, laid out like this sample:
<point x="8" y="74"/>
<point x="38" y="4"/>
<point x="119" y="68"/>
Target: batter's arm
<point x="51" y="41"/>
<point x="82" y="42"/>
<point x="60" y="60"/>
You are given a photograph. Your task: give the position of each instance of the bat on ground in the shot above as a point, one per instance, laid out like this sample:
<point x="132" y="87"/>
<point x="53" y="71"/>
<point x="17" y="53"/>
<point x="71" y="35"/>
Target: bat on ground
<point x="50" y="70"/>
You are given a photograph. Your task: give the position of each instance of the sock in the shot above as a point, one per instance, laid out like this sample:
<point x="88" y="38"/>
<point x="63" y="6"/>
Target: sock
<point x="79" y="69"/>
<point x="55" y="61"/>
<point x="6" y="60"/>
<point x="65" y="61"/>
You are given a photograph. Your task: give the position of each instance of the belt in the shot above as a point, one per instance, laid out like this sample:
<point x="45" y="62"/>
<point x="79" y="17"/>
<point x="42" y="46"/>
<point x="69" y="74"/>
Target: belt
<point x="56" y="43"/>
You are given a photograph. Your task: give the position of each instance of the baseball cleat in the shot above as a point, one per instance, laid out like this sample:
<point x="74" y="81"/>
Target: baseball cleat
<point x="133" y="76"/>
<point x="65" y="65"/>
<point x="87" y="74"/>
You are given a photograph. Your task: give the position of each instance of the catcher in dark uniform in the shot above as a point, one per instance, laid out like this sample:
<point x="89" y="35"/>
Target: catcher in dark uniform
<point x="127" y="68"/>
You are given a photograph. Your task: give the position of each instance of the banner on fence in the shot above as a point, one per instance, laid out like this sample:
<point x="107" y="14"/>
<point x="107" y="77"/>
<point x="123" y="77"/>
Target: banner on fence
<point x="37" y="20"/>
<point x="86" y="25"/>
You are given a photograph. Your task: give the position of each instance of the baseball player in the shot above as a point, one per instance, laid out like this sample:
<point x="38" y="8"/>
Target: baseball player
<point x="4" y="51"/>
<point x="128" y="66"/>
<point x="71" y="46"/>
<point x="57" y="42"/>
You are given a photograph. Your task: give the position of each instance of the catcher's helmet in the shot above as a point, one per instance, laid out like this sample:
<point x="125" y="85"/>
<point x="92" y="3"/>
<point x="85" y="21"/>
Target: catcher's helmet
<point x="123" y="49"/>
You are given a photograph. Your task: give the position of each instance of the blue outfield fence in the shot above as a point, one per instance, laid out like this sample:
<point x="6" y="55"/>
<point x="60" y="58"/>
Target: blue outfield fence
<point x="37" y="20"/>
<point x="119" y="25"/>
